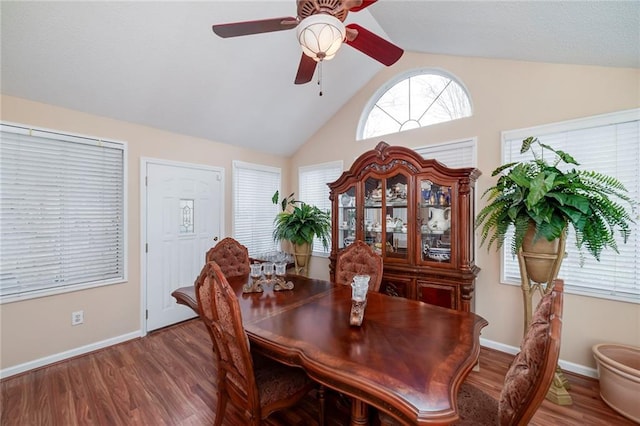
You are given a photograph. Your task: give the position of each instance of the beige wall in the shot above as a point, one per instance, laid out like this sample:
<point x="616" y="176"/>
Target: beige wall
<point x="505" y="95"/>
<point x="41" y="327"/>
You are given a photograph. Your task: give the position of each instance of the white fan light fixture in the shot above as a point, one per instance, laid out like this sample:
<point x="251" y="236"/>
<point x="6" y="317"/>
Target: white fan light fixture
<point x="321" y="36"/>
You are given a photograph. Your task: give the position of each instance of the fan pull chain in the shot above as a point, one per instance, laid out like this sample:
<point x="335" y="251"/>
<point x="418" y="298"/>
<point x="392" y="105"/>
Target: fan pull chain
<point x="320" y="77"/>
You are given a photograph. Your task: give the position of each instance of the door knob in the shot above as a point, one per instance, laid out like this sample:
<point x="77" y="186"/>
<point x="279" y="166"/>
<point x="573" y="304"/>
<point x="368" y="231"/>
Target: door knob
<point x="215" y="238"/>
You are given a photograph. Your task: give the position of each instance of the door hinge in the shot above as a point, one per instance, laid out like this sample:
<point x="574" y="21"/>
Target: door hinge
<point x="146" y="247"/>
<point x="146" y="181"/>
<point x="146" y="313"/>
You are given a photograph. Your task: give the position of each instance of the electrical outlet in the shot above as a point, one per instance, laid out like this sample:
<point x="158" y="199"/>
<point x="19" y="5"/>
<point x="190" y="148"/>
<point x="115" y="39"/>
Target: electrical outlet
<point x="77" y="317"/>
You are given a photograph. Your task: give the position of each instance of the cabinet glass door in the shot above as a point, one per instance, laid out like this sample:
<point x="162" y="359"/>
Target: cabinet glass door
<point x="435" y="221"/>
<point x="347" y="224"/>
<point x="396" y="226"/>
<point x="373" y="217"/>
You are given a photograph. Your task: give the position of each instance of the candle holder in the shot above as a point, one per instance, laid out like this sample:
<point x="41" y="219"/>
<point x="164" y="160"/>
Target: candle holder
<point x="357" y="312"/>
<point x="280" y="283"/>
<point x="257" y="280"/>
<point x="281" y="269"/>
<point x="254" y="285"/>
<point x="267" y="270"/>
<point x="359" y="288"/>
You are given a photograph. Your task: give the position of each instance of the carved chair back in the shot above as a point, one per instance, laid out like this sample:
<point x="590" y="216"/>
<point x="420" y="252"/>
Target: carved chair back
<point x="529" y="375"/>
<point x="256" y="389"/>
<point x="221" y="313"/>
<point x="532" y="370"/>
<point x="359" y="259"/>
<point x="231" y="256"/>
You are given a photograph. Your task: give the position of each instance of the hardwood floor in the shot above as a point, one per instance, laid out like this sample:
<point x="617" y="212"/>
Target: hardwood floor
<point x="167" y="378"/>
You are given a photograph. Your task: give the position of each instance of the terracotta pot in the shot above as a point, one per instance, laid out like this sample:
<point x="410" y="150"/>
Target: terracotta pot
<point x="619" y="371"/>
<point x="540" y="256"/>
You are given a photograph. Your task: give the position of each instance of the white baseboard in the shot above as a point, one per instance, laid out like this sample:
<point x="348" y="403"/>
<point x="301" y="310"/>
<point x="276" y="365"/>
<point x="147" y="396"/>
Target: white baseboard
<point x="565" y="365"/>
<point x="21" y="368"/>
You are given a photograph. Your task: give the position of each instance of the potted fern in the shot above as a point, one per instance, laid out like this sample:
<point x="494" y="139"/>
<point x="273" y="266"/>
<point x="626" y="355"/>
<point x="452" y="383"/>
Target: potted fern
<point x="299" y="223"/>
<point x="541" y="202"/>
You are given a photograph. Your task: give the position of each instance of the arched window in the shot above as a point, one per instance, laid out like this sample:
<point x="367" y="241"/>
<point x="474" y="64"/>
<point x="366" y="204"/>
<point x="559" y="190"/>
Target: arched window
<point x="414" y="99"/>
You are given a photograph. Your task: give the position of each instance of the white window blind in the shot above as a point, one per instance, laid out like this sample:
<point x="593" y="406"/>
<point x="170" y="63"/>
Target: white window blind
<point x="609" y="144"/>
<point x="62" y="219"/>
<point x="253" y="210"/>
<point x="312" y="182"/>
<point x="453" y="154"/>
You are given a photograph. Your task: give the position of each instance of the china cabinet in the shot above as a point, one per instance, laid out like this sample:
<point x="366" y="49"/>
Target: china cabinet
<point x="418" y="215"/>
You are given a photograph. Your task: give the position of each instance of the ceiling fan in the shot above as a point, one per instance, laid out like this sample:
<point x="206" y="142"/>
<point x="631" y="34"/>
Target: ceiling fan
<point x="321" y="32"/>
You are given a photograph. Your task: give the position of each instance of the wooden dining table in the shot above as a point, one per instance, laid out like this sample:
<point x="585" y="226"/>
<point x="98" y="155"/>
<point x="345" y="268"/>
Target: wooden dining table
<point x="407" y="359"/>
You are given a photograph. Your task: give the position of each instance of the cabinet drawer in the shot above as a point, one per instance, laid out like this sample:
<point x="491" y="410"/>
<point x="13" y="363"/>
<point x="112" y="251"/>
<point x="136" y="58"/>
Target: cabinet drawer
<point x="438" y="294"/>
<point x="396" y="286"/>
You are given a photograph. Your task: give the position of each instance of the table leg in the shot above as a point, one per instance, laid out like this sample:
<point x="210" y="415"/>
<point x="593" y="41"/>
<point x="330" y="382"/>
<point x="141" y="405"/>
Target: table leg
<point x="359" y="415"/>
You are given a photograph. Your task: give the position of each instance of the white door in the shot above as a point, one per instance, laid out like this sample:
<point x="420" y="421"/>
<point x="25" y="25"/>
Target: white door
<point x="183" y="220"/>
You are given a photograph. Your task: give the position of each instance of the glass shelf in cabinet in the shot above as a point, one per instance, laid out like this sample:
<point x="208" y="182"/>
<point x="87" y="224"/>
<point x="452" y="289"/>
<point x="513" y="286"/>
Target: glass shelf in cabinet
<point x="434" y="205"/>
<point x="433" y="233"/>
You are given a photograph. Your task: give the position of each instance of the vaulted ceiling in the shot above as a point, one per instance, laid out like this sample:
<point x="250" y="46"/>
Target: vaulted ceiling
<point x="159" y="64"/>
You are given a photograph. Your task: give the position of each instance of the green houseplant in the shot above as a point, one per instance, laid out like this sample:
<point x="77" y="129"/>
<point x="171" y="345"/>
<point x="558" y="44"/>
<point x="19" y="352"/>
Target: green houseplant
<point x="539" y="194"/>
<point x="286" y="204"/>
<point x="299" y="223"/>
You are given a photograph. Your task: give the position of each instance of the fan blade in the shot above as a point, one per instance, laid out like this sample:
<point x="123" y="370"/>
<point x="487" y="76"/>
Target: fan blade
<point x="236" y="29"/>
<point x="365" y="3"/>
<point x="306" y="69"/>
<point x="372" y="45"/>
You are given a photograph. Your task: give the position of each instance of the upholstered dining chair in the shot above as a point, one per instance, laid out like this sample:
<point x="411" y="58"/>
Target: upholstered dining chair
<point x="231" y="256"/>
<point x="257" y="389"/>
<point x="529" y="376"/>
<point x="357" y="259"/>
